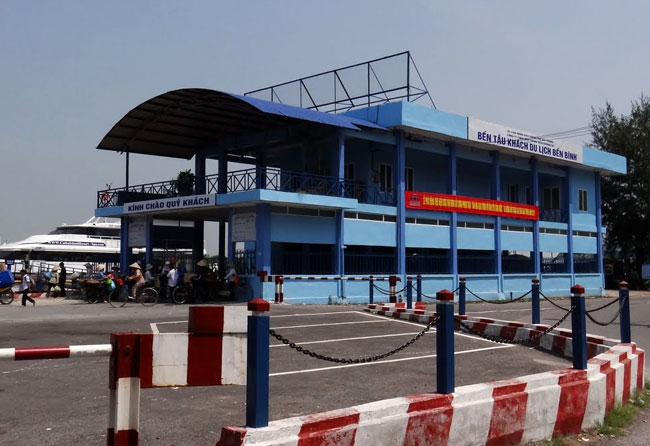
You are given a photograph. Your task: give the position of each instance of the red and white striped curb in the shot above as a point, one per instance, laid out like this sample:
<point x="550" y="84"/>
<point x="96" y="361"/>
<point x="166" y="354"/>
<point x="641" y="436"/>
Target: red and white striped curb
<point x="54" y="352"/>
<point x="530" y="408"/>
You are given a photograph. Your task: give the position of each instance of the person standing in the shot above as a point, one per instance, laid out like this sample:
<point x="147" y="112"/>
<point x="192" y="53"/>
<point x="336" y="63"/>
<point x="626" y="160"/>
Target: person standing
<point x="62" y="278"/>
<point x="232" y="279"/>
<point x="25" y="287"/>
<point x="54" y="280"/>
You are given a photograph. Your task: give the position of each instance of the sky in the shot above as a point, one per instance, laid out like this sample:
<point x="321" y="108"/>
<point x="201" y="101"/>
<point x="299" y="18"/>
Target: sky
<point x="69" y="70"/>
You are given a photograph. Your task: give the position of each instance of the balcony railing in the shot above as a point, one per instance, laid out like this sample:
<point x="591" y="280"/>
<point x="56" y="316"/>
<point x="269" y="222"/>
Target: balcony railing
<point x="247" y="179"/>
<point x="555" y="215"/>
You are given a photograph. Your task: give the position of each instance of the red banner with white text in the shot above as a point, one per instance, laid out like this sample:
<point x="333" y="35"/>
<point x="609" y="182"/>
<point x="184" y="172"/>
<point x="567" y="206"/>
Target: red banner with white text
<point x="468" y="205"/>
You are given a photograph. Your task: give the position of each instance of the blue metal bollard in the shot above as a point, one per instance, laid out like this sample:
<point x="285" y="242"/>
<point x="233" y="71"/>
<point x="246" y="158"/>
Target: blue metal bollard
<point x="409" y="292"/>
<point x="462" y="292"/>
<point x="371" y="291"/>
<point x="535" y="298"/>
<point x="624" y="305"/>
<point x="579" y="327"/>
<point x="419" y="291"/>
<point x="257" y="373"/>
<point x="445" y="342"/>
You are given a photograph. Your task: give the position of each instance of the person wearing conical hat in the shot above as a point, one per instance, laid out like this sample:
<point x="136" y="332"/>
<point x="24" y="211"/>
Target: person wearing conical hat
<point x="136" y="278"/>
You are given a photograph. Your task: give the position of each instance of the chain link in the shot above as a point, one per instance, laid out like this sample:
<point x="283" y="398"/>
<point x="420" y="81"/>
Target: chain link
<point x="498" y="302"/>
<point x="553" y="303"/>
<point x="388" y="293"/>
<point x="435" y="297"/>
<point x="605" y="324"/>
<point x="363" y="359"/>
<point x="501" y="340"/>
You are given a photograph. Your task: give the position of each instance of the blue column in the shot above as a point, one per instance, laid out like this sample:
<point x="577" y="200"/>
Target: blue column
<point x="371" y="291"/>
<point x="263" y="237"/>
<point x="125" y="251"/>
<point x="199" y="174"/>
<point x="599" y="228"/>
<point x="198" y="239"/>
<point x="462" y="295"/>
<point x="445" y="342"/>
<point x="578" y="328"/>
<point x="257" y="373"/>
<point x="338" y="170"/>
<point x="419" y="291"/>
<point x="148" y="249"/>
<point x="400" y="185"/>
<point x="222" y="185"/>
<point x="624" y="306"/>
<point x="496" y="195"/>
<point x="231" y="245"/>
<point x="409" y="292"/>
<point x="453" y="217"/>
<point x="534" y="190"/>
<point x="568" y="182"/>
<point x="260" y="172"/>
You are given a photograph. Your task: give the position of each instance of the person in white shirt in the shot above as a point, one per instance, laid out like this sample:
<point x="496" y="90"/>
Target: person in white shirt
<point x="172" y="277"/>
<point x="25" y="287"/>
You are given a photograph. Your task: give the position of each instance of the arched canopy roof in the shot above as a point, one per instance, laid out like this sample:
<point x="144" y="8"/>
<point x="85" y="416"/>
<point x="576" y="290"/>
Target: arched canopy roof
<point x="181" y="122"/>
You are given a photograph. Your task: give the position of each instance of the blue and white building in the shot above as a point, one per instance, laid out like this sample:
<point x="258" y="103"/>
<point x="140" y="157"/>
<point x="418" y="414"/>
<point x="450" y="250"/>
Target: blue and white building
<point x="310" y="192"/>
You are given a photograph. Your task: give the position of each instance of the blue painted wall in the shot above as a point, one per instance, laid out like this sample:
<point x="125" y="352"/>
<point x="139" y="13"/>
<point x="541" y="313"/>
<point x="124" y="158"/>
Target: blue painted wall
<point x="427" y="236"/>
<point x="299" y="229"/>
<point x="369" y="233"/>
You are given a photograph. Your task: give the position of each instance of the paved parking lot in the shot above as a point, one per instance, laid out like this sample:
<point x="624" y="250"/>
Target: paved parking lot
<point x="65" y="401"/>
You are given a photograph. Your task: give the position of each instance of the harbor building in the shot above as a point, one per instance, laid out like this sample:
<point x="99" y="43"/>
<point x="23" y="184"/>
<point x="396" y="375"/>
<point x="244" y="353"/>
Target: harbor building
<point x="370" y="180"/>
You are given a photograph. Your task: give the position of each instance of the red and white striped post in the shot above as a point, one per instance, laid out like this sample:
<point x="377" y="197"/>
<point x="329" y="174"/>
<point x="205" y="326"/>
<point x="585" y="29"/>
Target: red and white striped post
<point x="54" y="352"/>
<point x="124" y="384"/>
<point x="392" y="289"/>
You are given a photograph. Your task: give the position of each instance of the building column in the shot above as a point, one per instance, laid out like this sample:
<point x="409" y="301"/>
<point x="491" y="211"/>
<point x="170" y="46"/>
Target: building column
<point x="198" y="240"/>
<point x="453" y="220"/>
<point x="230" y="244"/>
<point x="534" y="190"/>
<point x="568" y="194"/>
<point x="338" y="170"/>
<point x="199" y="174"/>
<point x="260" y="171"/>
<point x="496" y="195"/>
<point x="125" y="251"/>
<point x="599" y="228"/>
<point x="262" y="237"/>
<point x="148" y="248"/>
<point x="222" y="181"/>
<point x="400" y="185"/>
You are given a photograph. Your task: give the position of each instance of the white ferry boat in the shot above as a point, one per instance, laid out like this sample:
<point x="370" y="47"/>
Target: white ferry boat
<point x="96" y="240"/>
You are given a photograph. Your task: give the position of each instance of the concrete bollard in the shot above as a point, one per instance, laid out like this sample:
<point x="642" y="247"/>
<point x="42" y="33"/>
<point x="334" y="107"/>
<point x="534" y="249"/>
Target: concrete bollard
<point x="371" y="290"/>
<point x="579" y="327"/>
<point x="392" y="288"/>
<point x="277" y="290"/>
<point x="624" y="306"/>
<point x="534" y="294"/>
<point x="445" y="342"/>
<point x="257" y="373"/>
<point x="419" y="285"/>
<point x="462" y="295"/>
<point x="409" y="292"/>
<point x="124" y="385"/>
<point x="281" y="289"/>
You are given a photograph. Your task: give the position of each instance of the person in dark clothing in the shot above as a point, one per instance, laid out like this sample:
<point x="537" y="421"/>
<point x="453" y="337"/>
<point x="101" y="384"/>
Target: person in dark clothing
<point x="62" y="278"/>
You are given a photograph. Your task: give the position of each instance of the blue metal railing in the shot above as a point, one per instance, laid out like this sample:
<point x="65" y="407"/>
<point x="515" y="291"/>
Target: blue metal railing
<point x="243" y="180"/>
<point x="555" y="215"/>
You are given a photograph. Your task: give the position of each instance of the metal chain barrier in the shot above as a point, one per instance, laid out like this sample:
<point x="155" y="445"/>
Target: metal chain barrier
<point x="604" y="324"/>
<point x="498" y="302"/>
<point x="550" y="301"/>
<point x="434" y="297"/>
<point x="387" y="293"/>
<point x="363" y="359"/>
<point x="501" y="340"/>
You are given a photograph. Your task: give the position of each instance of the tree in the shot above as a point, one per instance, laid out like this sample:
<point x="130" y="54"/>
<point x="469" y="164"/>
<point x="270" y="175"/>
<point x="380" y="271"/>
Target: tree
<point x="626" y="198"/>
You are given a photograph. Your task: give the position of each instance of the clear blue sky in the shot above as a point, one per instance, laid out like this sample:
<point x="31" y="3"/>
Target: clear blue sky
<point x="71" y="69"/>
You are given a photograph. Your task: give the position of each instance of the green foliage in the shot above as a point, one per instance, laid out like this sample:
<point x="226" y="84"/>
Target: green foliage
<point x="622" y="416"/>
<point x="185" y="182"/>
<point x="626" y="198"/>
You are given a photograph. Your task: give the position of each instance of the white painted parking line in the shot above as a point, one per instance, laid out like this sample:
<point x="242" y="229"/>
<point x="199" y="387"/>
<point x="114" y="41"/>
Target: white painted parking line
<point x="413" y="358"/>
<point x="348" y="339"/>
<point x="330" y="324"/>
<point x="311" y="314"/>
<point x="154" y="325"/>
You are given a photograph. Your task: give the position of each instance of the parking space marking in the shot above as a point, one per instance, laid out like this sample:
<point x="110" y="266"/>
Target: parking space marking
<point x="312" y="314"/>
<point x="412" y="358"/>
<point x="348" y="339"/>
<point x="330" y="324"/>
<point x="154" y="325"/>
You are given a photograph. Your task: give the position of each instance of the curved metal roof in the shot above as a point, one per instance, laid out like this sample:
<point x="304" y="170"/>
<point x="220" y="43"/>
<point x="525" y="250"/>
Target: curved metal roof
<point x="180" y="122"/>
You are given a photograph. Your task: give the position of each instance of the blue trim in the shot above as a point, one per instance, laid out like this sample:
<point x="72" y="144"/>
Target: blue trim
<point x="604" y="160"/>
<point x="287" y="198"/>
<point x="113" y="211"/>
<point x="400" y="183"/>
<point x="534" y="173"/>
<point x="453" y="223"/>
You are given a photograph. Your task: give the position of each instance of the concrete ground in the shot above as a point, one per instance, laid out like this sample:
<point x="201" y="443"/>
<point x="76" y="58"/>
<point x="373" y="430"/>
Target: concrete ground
<point x="65" y="401"/>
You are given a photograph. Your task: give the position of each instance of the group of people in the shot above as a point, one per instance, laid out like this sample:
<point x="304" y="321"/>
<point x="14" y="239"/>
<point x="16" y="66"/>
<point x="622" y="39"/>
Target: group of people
<point x="56" y="281"/>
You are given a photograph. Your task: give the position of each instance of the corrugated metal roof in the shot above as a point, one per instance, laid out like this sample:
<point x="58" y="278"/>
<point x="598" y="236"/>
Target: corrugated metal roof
<point x="180" y="122"/>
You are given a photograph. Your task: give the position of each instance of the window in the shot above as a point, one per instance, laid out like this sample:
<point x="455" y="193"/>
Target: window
<point x="349" y="171"/>
<point x="409" y="178"/>
<point x="551" y="198"/>
<point x="385" y="177"/>
<point x="529" y="196"/>
<point x="513" y="193"/>
<point x="582" y="200"/>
